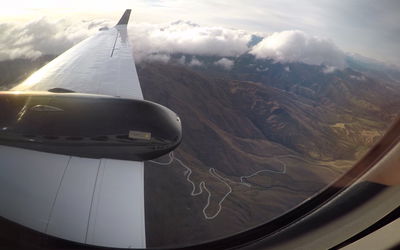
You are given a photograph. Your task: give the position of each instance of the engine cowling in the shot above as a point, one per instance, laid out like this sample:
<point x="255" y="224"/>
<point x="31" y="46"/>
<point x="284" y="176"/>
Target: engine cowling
<point x="85" y="125"/>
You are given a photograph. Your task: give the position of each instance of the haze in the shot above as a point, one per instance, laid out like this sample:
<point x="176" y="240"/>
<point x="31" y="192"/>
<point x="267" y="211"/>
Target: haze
<point x="369" y="28"/>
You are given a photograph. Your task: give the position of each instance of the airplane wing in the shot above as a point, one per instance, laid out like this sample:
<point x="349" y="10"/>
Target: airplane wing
<point x="91" y="201"/>
<point x="101" y="64"/>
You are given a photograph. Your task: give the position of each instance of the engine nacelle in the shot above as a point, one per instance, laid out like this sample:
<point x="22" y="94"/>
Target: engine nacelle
<point x="85" y="125"/>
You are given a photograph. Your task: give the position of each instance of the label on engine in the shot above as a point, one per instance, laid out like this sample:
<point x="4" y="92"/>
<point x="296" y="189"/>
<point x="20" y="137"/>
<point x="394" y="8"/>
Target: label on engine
<point x="139" y="135"/>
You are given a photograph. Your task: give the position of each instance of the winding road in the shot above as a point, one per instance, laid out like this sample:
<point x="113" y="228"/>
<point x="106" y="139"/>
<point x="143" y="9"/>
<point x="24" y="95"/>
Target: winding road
<point x="226" y="181"/>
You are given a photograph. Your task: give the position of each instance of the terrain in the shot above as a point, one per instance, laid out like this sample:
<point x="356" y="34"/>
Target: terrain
<point x="257" y="144"/>
<point x="259" y="138"/>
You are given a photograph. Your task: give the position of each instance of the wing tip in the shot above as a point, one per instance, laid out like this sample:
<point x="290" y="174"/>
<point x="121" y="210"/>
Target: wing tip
<point x="125" y="17"/>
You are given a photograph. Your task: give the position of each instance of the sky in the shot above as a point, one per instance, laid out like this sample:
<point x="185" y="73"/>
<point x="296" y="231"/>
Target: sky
<point x="313" y="31"/>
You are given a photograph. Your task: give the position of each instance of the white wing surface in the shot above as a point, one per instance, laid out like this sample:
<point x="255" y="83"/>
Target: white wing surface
<point x="101" y="64"/>
<point x="91" y="201"/>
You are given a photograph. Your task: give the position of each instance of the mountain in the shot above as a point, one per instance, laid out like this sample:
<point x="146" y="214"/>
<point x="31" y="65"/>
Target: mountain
<point x="14" y="71"/>
<point x="374" y="68"/>
<point x="323" y="100"/>
<point x="286" y="133"/>
<point x="259" y="137"/>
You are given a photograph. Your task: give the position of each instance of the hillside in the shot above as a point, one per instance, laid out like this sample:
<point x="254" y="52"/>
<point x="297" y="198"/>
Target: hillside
<point x="14" y="71"/>
<point x="284" y="144"/>
<point x="259" y="138"/>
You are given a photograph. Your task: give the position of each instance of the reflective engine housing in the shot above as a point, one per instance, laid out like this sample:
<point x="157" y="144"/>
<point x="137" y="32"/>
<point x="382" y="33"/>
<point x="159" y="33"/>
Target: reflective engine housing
<point x="91" y="126"/>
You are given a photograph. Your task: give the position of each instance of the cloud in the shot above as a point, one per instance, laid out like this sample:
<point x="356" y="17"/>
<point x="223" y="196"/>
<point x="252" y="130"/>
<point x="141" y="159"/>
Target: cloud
<point x="158" y="57"/>
<point x="262" y="69"/>
<point x="182" y="60"/>
<point x="297" y="46"/>
<point x="225" y="63"/>
<point x="195" y="62"/>
<point x="42" y="36"/>
<point x="187" y="38"/>
<point x="157" y="42"/>
<point x="358" y="78"/>
<point x="328" y="69"/>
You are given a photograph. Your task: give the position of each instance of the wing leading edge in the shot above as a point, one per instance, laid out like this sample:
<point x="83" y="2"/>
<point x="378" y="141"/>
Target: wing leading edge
<point x="101" y="64"/>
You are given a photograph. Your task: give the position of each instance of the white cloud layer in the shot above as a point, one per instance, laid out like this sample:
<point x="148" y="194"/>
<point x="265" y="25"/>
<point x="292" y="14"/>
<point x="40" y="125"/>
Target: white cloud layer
<point x="187" y="38"/>
<point x="225" y="63"/>
<point x="42" y="36"/>
<point x="195" y="62"/>
<point x="158" y="57"/>
<point x="159" y="41"/>
<point x="297" y="46"/>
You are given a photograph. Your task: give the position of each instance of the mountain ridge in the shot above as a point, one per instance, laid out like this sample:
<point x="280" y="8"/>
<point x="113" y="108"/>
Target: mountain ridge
<point x="256" y="143"/>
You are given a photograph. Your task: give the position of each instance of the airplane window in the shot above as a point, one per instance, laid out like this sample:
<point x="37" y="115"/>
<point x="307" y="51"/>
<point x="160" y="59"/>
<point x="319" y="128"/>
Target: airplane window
<point x="264" y="120"/>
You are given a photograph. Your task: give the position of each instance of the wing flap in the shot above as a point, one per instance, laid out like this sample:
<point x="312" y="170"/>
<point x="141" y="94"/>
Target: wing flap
<point x="70" y="214"/>
<point x="92" y="201"/>
<point x="118" y="206"/>
<point x="28" y="185"/>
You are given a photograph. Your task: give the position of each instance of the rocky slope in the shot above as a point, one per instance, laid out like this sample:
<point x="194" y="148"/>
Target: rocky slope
<point x="284" y="139"/>
<point x="259" y="139"/>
